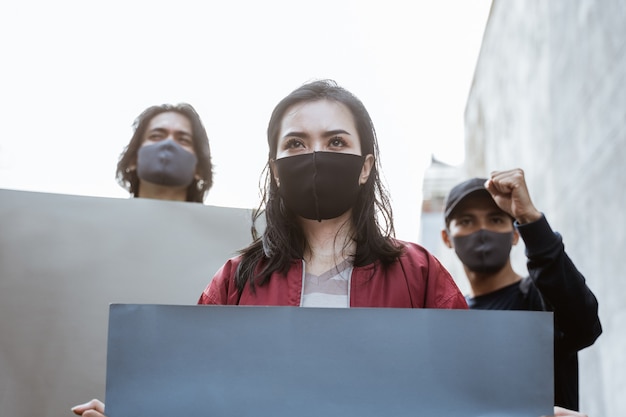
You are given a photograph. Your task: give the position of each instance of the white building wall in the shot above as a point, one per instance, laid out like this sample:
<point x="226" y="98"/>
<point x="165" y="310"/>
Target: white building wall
<point x="549" y="96"/>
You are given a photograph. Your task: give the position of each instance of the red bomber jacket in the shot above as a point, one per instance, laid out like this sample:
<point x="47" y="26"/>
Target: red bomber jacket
<point x="416" y="280"/>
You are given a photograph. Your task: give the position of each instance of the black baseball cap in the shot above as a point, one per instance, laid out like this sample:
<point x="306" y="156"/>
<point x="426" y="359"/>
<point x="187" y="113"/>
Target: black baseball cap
<point x="462" y="190"/>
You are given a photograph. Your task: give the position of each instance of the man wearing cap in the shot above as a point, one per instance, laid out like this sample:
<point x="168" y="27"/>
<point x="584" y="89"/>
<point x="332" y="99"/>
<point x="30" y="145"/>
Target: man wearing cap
<point x="484" y="218"/>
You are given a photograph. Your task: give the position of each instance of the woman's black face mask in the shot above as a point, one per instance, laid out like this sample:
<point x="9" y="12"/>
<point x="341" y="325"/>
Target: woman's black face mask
<point x="319" y="185"/>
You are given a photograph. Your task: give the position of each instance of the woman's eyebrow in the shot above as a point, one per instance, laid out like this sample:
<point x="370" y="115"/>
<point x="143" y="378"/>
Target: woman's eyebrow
<point x="333" y="132"/>
<point x="295" y="133"/>
<point x="337" y="132"/>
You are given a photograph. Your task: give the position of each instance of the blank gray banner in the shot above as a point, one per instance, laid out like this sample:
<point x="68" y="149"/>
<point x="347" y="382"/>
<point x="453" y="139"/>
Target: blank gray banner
<point x="64" y="259"/>
<point x="223" y="361"/>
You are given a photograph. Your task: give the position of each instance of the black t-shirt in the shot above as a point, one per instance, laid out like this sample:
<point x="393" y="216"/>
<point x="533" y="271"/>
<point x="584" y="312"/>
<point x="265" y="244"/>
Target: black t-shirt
<point x="521" y="295"/>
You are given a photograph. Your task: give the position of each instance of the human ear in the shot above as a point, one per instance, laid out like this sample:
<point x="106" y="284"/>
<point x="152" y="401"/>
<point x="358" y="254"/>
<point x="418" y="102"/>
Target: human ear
<point x="515" y="237"/>
<point x="446" y="238"/>
<point x="366" y="169"/>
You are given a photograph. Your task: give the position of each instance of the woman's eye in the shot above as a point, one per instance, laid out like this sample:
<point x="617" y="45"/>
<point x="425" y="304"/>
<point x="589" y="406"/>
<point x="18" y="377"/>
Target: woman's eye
<point x="337" y="142"/>
<point x="293" y="143"/>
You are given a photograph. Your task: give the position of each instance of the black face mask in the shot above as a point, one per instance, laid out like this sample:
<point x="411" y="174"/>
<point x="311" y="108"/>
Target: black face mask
<point x="484" y="251"/>
<point x="166" y="163"/>
<point x="319" y="185"/>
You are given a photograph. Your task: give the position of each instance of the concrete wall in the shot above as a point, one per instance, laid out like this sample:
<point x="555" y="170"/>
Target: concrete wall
<point x="549" y="95"/>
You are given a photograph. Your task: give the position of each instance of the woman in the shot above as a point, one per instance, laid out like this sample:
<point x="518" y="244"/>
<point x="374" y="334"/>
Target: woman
<point x="168" y="157"/>
<point x="328" y="222"/>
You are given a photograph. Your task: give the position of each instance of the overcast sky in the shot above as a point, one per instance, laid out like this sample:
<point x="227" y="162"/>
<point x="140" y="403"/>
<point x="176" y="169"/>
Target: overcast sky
<point x="75" y="74"/>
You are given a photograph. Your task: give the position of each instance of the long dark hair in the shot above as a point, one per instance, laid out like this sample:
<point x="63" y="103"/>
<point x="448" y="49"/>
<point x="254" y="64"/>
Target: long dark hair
<point x="127" y="177"/>
<point x="283" y="240"/>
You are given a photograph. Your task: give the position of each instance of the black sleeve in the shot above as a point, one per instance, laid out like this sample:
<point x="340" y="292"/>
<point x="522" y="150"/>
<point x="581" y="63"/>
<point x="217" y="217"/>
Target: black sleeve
<point x="561" y="285"/>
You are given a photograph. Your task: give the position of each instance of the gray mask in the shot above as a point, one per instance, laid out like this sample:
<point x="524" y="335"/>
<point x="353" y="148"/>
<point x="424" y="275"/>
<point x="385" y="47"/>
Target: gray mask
<point x="484" y="251"/>
<point x="166" y="163"/>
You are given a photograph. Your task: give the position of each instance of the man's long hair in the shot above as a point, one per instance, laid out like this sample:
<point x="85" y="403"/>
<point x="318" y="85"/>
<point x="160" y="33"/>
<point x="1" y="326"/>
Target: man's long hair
<point x="126" y="173"/>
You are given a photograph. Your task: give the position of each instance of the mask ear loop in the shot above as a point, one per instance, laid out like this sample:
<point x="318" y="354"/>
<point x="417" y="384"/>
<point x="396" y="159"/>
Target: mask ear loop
<point x="273" y="173"/>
